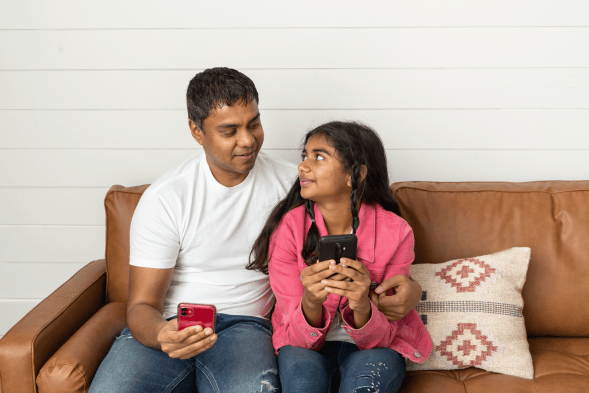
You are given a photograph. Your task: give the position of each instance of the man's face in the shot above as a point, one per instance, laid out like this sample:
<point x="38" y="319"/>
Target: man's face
<point x="232" y="138"/>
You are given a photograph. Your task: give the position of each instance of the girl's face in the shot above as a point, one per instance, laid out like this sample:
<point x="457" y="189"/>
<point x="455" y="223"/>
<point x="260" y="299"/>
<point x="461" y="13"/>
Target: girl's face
<point x="321" y="173"/>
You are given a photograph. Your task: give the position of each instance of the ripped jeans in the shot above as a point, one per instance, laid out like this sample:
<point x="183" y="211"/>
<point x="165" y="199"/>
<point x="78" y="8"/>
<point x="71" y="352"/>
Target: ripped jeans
<point x="241" y="361"/>
<point x="340" y="367"/>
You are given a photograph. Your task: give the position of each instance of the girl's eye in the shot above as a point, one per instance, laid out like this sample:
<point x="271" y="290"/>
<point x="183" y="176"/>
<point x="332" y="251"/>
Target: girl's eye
<point x="319" y="157"/>
<point x="303" y="157"/>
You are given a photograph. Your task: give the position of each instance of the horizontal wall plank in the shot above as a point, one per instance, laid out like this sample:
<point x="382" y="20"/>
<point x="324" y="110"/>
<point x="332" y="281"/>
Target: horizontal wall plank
<point x="11" y="311"/>
<point x="399" y="129"/>
<point x="34" y="280"/>
<point x="308" y="89"/>
<point x="103" y="168"/>
<point x="282" y="48"/>
<point x="51" y="244"/>
<point x="52" y="206"/>
<point x="71" y="14"/>
<point x="84" y="206"/>
<point x="95" y="168"/>
<point x="55" y="244"/>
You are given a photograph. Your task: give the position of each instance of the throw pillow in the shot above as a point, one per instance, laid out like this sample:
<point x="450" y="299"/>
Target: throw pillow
<point x="473" y="312"/>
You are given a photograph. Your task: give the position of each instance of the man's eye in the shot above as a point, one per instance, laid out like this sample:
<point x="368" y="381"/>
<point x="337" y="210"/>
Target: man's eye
<point x="319" y="157"/>
<point x="254" y="125"/>
<point x="303" y="157"/>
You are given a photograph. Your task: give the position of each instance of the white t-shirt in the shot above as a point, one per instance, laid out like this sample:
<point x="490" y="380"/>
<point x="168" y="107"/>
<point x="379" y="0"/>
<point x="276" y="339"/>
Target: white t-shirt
<point x="205" y="231"/>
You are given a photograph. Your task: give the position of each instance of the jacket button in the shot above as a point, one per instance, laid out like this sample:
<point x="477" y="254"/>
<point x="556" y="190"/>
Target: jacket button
<point x="416" y="354"/>
<point x="313" y="334"/>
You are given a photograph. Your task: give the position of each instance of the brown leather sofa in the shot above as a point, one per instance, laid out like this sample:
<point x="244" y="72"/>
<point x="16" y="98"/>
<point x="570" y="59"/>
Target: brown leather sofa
<point x="58" y="346"/>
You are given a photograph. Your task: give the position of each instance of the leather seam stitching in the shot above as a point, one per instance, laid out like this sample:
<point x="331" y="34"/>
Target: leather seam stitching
<point x="106" y="230"/>
<point x="489" y="190"/>
<point x="62" y="363"/>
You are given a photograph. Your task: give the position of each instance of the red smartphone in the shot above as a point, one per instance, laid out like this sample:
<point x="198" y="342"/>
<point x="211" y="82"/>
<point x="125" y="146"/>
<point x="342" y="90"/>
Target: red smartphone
<point x="190" y="314"/>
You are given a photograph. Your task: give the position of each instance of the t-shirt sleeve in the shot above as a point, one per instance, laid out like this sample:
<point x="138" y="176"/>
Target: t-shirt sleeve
<point x="154" y="238"/>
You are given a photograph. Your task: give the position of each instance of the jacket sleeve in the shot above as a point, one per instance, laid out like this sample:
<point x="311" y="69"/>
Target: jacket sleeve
<point x="379" y="332"/>
<point x="289" y="323"/>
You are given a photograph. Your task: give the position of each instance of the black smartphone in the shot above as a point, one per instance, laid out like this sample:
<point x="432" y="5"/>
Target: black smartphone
<point x="337" y="246"/>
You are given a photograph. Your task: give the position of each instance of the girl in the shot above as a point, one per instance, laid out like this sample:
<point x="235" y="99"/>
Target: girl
<point x="328" y="331"/>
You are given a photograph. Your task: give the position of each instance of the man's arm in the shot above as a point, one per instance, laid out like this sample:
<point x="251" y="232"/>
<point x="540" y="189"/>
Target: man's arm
<point x="406" y="297"/>
<point x="147" y="292"/>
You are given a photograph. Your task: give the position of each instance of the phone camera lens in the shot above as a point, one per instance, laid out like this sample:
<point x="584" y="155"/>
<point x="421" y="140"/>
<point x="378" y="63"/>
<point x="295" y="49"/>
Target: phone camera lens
<point x="183" y="313"/>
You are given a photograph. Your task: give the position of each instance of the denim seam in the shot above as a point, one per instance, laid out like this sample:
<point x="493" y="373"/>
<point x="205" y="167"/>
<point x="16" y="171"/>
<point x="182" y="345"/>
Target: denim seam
<point x="203" y="369"/>
<point x="339" y="361"/>
<point x="179" y="379"/>
<point x="248" y="323"/>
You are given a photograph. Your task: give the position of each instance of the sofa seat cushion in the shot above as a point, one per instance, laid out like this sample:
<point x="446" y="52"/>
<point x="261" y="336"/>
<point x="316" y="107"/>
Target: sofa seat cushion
<point x="561" y="365"/>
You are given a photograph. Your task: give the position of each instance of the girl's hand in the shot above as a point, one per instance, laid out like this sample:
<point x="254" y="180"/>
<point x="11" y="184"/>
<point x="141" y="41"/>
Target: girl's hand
<point x="356" y="291"/>
<point x="315" y="293"/>
<point x="311" y="277"/>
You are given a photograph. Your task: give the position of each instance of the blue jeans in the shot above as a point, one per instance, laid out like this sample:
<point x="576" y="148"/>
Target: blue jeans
<point x="340" y="367"/>
<point x="241" y="361"/>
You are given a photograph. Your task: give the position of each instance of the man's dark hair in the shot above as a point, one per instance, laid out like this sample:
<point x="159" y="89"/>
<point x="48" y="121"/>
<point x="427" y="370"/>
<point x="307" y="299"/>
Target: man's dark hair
<point x="215" y="88"/>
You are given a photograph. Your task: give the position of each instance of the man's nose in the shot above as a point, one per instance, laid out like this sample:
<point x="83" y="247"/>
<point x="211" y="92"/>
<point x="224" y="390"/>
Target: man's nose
<point x="245" y="138"/>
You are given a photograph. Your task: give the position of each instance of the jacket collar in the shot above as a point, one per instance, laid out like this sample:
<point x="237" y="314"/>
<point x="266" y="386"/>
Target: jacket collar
<point x="366" y="231"/>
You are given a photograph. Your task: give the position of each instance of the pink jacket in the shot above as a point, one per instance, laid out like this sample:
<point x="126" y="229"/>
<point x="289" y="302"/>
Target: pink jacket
<point x="385" y="247"/>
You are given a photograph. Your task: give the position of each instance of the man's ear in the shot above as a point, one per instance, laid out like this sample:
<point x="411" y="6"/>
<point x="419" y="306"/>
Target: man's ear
<point x="197" y="133"/>
<point x="363" y="173"/>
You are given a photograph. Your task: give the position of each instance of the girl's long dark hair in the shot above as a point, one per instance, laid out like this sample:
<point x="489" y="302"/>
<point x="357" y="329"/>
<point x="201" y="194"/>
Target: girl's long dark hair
<point x="356" y="145"/>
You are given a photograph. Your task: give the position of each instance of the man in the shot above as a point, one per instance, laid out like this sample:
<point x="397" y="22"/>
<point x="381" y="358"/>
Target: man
<point x="191" y="236"/>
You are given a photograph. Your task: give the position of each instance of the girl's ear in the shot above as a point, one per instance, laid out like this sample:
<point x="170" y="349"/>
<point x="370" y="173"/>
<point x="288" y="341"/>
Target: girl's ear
<point x="363" y="173"/>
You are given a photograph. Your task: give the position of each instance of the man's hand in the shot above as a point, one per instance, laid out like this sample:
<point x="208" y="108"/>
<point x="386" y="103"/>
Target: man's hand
<point x="406" y="297"/>
<point x="185" y="343"/>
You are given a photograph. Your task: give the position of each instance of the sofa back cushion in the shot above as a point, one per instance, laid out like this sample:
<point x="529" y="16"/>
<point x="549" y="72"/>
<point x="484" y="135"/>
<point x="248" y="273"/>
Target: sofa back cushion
<point x="120" y="203"/>
<point x="460" y="220"/>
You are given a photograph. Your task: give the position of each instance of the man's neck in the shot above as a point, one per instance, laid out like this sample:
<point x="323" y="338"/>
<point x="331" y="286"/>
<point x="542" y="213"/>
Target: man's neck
<point x="227" y="179"/>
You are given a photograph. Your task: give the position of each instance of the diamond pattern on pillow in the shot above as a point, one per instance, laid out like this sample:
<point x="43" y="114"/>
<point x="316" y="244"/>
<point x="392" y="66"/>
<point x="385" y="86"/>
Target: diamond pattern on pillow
<point x="472" y="308"/>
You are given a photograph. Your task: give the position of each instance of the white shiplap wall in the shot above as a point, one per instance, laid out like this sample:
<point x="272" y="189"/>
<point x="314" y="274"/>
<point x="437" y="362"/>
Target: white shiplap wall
<point x="92" y="94"/>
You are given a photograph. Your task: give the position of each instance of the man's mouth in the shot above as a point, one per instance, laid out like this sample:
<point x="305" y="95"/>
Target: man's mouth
<point x="247" y="156"/>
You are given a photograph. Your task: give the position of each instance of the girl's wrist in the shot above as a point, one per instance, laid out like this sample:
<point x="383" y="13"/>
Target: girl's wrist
<point x="361" y="317"/>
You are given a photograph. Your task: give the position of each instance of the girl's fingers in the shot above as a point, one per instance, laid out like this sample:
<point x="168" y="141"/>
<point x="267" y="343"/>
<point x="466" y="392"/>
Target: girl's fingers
<point x="351" y="295"/>
<point x="337" y="277"/>
<point x="315" y="278"/>
<point x="318" y="271"/>
<point x="356" y="265"/>
<point x="350" y="286"/>
<point x="319" y="266"/>
<point x="348" y="272"/>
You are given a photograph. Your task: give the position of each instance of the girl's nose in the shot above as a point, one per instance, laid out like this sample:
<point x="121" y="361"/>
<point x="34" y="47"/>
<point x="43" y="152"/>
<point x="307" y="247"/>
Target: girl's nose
<point x="303" y="167"/>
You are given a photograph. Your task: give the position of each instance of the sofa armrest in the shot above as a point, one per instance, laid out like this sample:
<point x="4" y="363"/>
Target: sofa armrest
<point x="72" y="367"/>
<point x="27" y="345"/>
